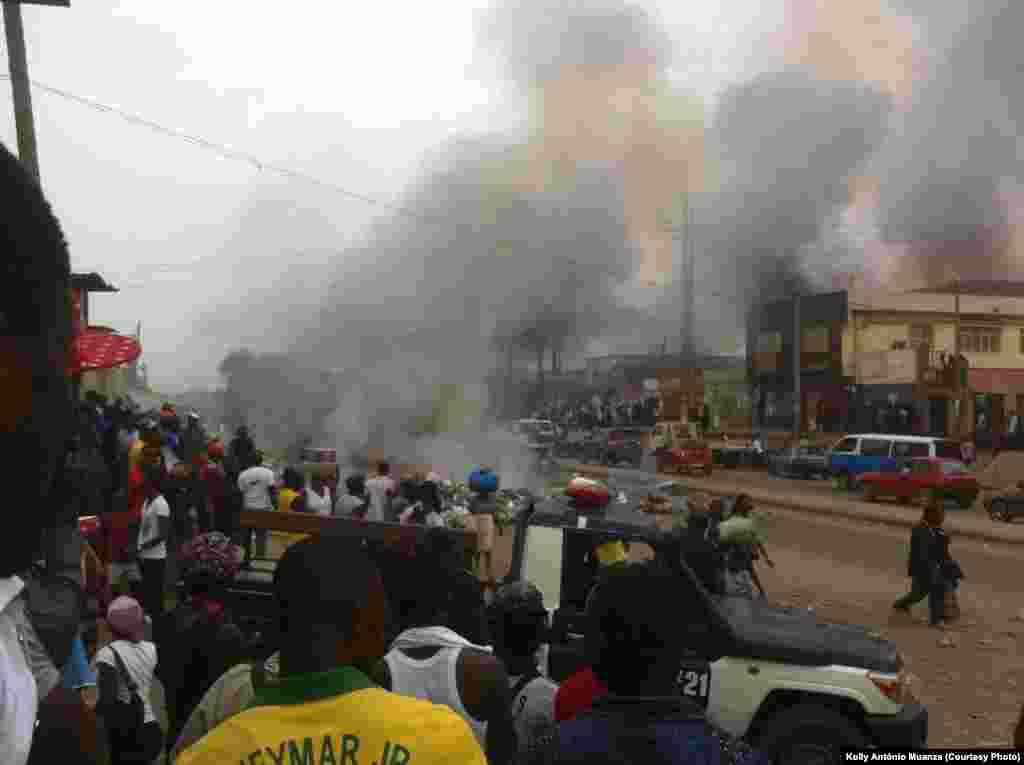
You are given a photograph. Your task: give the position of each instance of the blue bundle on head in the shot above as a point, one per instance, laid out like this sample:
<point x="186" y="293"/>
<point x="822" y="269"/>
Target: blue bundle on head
<point x="483" y="481"/>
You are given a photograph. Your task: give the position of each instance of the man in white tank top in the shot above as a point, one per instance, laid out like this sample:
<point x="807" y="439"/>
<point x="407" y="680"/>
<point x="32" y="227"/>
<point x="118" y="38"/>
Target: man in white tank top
<point x="431" y="661"/>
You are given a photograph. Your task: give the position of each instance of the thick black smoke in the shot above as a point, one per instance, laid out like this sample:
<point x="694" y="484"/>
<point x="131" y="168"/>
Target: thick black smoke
<point x="958" y="144"/>
<point x="791" y="144"/>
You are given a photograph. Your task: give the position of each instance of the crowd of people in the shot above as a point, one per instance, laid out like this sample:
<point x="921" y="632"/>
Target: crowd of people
<point x="601" y="411"/>
<point x="382" y="655"/>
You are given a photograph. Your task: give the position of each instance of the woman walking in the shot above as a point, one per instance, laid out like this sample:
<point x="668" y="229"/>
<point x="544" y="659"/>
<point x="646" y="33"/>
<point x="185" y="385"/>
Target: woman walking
<point x="126" y="667"/>
<point x="929" y="552"/>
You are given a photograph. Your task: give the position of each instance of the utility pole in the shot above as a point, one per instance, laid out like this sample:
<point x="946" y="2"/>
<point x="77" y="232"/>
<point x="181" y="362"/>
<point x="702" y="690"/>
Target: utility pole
<point x="958" y="396"/>
<point x="797" y="402"/>
<point x="686" y="241"/>
<point x="21" y="89"/>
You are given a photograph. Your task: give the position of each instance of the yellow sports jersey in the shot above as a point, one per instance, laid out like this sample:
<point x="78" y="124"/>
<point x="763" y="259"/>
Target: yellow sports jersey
<point x="611" y="552"/>
<point x="284" y="502"/>
<point x="135" y="452"/>
<point x="337" y="718"/>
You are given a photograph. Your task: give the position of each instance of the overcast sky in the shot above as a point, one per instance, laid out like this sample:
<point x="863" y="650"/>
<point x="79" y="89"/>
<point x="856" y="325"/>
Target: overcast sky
<point x="355" y="94"/>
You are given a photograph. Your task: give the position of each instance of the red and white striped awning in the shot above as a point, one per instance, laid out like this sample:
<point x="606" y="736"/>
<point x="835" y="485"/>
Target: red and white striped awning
<point x="102" y="348"/>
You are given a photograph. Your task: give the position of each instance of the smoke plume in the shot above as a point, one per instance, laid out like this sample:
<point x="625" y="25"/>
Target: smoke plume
<point x="953" y="170"/>
<point x="792" y="144"/>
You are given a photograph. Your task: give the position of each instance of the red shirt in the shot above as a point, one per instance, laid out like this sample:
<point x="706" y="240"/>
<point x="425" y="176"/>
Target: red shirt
<point x="216" y="485"/>
<point x="577" y="693"/>
<point x="120" y="522"/>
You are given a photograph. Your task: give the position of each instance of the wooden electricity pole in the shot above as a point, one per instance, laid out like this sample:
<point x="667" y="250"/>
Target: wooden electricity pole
<point x="21" y="88"/>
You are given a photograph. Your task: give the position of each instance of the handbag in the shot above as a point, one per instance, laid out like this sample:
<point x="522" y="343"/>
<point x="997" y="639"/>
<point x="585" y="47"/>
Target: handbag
<point x="125" y="720"/>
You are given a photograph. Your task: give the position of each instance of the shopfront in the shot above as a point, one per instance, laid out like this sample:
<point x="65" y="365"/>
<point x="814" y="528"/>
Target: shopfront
<point x="998" y="399"/>
<point x="887" y="409"/>
<point x="824" y="391"/>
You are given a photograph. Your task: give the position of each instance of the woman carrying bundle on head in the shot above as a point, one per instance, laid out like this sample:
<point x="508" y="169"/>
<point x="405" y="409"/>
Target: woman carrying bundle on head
<point x="483" y="482"/>
<point x="206" y="642"/>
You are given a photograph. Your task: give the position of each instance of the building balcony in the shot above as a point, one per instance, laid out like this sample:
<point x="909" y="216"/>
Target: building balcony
<point x="930" y="369"/>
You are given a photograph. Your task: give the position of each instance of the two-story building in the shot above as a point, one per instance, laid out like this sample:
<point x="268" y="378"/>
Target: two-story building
<point x="879" y="360"/>
<point x="900" y="350"/>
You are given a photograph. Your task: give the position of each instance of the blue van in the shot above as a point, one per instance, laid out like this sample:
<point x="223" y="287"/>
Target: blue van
<point x="871" y="452"/>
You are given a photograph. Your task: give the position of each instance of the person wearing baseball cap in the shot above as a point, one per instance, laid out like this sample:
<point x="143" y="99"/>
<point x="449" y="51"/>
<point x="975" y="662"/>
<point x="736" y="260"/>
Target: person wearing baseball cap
<point x="127" y="665"/>
<point x="333" y="621"/>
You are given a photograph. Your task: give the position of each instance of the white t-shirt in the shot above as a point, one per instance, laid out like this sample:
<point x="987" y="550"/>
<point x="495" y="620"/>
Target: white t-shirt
<point x="140" y="661"/>
<point x="18" y="696"/>
<point x="149" y="529"/>
<point x="377" y="490"/>
<point x="315" y="503"/>
<point x="347" y="504"/>
<point x="255" y="484"/>
<point x="533" y="710"/>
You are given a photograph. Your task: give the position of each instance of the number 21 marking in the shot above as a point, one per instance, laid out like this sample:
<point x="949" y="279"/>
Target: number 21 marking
<point x="694" y="683"/>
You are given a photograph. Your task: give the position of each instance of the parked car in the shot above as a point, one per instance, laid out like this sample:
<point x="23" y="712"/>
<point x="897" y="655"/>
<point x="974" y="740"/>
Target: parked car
<point x="1006" y="505"/>
<point x="537" y="434"/>
<point x="690" y="456"/>
<point x="799" y="462"/>
<point x="921" y="478"/>
<point x="623" y="446"/>
<point x="799" y="689"/>
<point x="868" y="453"/>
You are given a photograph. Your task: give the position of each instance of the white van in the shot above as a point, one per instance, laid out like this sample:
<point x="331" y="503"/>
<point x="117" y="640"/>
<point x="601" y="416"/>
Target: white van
<point x="871" y="452"/>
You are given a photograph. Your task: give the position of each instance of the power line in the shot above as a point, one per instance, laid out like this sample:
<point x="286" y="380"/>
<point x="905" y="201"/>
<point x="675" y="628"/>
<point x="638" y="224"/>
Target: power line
<point x="258" y="163"/>
<point x="225" y="151"/>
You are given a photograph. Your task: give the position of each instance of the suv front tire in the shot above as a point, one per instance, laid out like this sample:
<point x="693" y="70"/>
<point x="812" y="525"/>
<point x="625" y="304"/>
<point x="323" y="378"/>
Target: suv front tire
<point x="809" y="734"/>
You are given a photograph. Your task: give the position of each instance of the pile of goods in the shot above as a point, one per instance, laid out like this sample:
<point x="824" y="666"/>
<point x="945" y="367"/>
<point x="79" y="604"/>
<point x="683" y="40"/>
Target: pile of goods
<point x="737" y="529"/>
<point x="457" y="496"/>
<point x="588" y="493"/>
<point x="656" y="505"/>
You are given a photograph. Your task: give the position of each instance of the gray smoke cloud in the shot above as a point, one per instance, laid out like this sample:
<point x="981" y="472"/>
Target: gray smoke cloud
<point x="791" y="144"/>
<point x="436" y="297"/>
<point x="943" y="168"/>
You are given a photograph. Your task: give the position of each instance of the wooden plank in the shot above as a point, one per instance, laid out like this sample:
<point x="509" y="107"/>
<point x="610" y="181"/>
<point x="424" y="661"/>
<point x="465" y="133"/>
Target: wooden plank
<point x="308" y="523"/>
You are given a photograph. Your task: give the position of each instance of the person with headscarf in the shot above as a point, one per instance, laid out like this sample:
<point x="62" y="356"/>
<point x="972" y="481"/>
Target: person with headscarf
<point x="206" y="642"/>
<point x="127" y="666"/>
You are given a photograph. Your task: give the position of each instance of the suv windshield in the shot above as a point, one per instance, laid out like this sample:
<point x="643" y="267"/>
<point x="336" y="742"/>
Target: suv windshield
<point x="954" y="468"/>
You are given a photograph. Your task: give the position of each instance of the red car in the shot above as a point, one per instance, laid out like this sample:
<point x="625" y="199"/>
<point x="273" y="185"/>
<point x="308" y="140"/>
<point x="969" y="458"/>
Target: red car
<point x="690" y="456"/>
<point x="924" y="477"/>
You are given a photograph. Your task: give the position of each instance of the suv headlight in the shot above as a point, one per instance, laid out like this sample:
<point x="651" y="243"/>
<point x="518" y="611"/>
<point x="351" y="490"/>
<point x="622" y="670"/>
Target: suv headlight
<point x="897" y="688"/>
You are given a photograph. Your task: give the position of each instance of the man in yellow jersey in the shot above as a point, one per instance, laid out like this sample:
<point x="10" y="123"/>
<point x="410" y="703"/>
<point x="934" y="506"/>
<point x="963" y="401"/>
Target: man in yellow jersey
<point x="333" y="615"/>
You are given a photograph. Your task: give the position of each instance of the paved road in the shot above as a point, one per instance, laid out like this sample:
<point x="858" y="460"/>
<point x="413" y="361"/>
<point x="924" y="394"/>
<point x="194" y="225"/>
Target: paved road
<point x="851" y="571"/>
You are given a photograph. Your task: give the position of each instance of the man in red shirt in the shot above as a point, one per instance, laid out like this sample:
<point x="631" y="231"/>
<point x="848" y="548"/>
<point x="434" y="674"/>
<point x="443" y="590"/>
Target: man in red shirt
<point x="123" y="524"/>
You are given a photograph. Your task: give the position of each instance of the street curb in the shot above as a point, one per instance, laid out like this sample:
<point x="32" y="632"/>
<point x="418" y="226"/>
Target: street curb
<point x="838" y="508"/>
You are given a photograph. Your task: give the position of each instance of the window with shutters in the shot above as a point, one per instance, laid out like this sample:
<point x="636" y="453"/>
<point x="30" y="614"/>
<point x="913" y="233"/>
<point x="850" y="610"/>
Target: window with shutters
<point x="980" y="339"/>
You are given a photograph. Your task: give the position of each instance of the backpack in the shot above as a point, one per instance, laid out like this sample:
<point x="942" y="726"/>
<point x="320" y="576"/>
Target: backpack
<point x="125" y="719"/>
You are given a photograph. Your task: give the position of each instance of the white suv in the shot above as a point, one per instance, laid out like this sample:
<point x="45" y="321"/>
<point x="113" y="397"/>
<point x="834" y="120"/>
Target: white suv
<point x="799" y="689"/>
